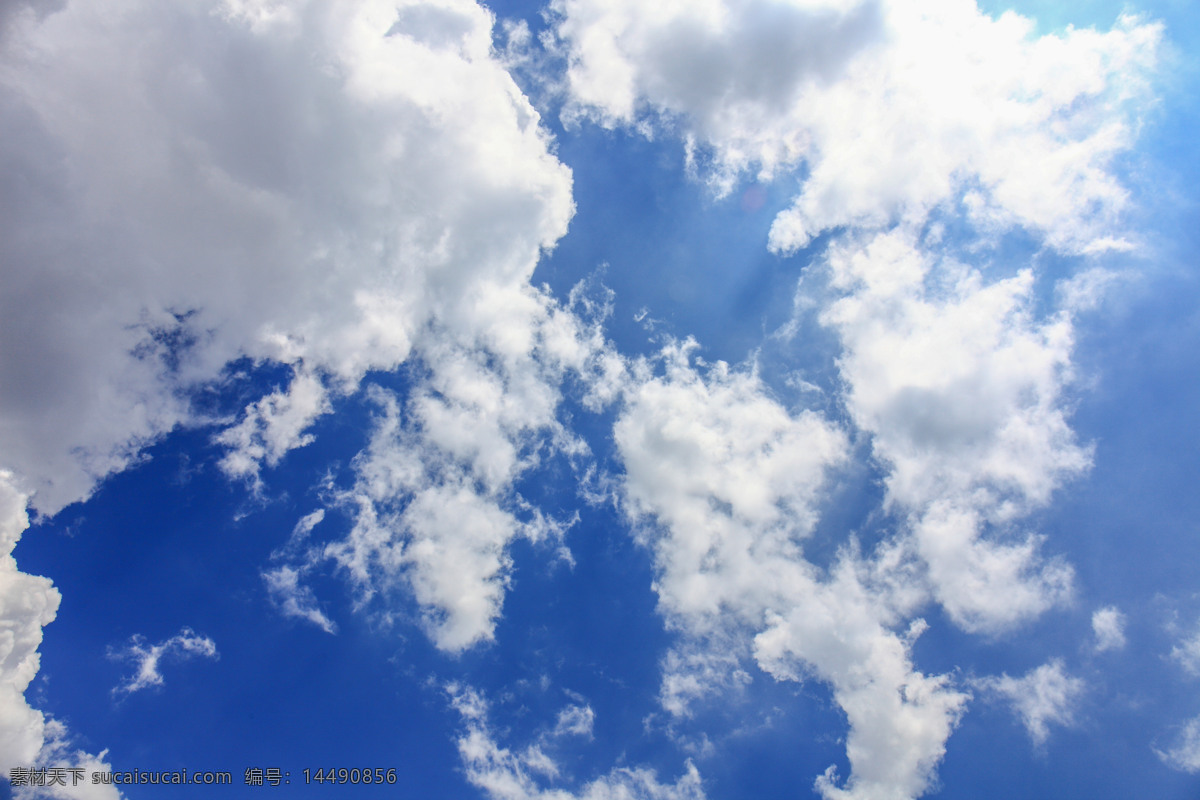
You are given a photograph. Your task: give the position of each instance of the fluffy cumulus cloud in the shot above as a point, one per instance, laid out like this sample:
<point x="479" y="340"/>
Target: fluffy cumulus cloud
<point x="961" y="386"/>
<point x="211" y="180"/>
<point x="725" y="484"/>
<point x="435" y="503"/>
<point x="895" y="107"/>
<point x="1046" y="695"/>
<point x="505" y="774"/>
<point x="27" y="604"/>
<point x="147" y="659"/>
<point x="843" y="631"/>
<point x="713" y="454"/>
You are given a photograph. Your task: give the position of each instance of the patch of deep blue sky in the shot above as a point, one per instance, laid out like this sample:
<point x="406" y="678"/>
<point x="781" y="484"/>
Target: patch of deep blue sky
<point x="172" y="543"/>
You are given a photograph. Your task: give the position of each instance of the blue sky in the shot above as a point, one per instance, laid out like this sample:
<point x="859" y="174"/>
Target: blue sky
<point x="707" y="400"/>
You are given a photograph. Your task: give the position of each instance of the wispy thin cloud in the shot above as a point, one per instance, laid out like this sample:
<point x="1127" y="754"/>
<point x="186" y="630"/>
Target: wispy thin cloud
<point x="147" y="660"/>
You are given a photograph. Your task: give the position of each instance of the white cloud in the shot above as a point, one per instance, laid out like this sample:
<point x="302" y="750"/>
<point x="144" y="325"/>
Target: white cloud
<point x="206" y="181"/>
<point x="294" y="599"/>
<point x="1108" y="625"/>
<point x="574" y="720"/>
<point x="28" y="603"/>
<point x="58" y="751"/>
<point x="1187" y="652"/>
<point x="694" y="670"/>
<point x="714" y="455"/>
<point x="899" y="717"/>
<point x="895" y="108"/>
<point x="304" y="528"/>
<point x="707" y="59"/>
<point x="507" y="775"/>
<point x="295" y="559"/>
<point x="726" y="486"/>
<point x="961" y="387"/>
<point x="272" y="426"/>
<point x="420" y="517"/>
<point x="148" y="659"/>
<point x="1044" y="696"/>
<point x="960" y="382"/>
<point x="1185" y="755"/>
<point x="434" y="502"/>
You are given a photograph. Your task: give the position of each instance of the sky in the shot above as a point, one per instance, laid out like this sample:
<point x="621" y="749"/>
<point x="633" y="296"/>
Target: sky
<point x="599" y="400"/>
